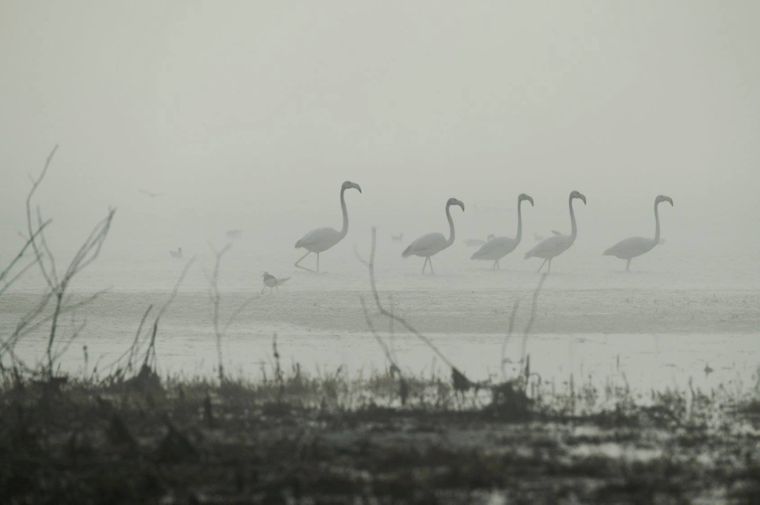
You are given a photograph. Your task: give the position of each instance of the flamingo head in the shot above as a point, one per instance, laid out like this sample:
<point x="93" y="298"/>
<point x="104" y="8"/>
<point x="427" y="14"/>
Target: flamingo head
<point x="350" y="185"/>
<point x="579" y="195"/>
<point x="454" y="201"/>
<point x="522" y="197"/>
<point x="663" y="198"/>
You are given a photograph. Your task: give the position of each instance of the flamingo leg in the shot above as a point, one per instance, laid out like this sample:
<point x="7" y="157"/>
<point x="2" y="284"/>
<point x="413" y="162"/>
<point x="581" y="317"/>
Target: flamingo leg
<point x="317" y="262"/>
<point x="541" y="267"/>
<point x="298" y="263"/>
<point x="424" y="264"/>
<point x="432" y="272"/>
<point x="628" y="265"/>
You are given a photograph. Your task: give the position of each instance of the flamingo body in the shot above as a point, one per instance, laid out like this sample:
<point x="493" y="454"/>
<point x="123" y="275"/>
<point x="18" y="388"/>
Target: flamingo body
<point x="322" y="239"/>
<point x="551" y="247"/>
<point x="433" y="243"/>
<point x="319" y="240"/>
<point x="631" y="247"/>
<point x="495" y="249"/>
<point x="426" y="246"/>
<point x="498" y="247"/>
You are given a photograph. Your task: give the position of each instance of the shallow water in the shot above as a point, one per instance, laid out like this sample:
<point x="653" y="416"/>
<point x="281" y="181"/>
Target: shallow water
<point x="683" y="310"/>
<point x="603" y="326"/>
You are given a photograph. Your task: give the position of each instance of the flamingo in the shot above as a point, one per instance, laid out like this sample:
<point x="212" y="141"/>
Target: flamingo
<point x="629" y="248"/>
<point x="322" y="239"/>
<point x="551" y="247"/>
<point x="433" y="243"/>
<point x="496" y="248"/>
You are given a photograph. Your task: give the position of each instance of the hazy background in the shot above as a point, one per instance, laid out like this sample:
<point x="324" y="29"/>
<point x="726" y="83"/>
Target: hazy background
<point x="249" y="115"/>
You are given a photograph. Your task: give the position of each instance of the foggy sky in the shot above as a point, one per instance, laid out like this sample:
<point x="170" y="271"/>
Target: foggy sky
<point x="250" y="115"/>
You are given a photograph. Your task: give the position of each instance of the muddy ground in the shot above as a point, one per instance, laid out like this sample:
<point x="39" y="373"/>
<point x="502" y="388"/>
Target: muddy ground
<point x="300" y="440"/>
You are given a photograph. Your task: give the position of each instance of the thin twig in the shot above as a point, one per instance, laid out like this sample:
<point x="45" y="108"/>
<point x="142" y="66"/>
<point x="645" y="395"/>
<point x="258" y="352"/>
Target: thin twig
<point x="510" y="329"/>
<point x="399" y="319"/>
<point x="533" y="306"/>
<point x="380" y="341"/>
<point x="20" y="255"/>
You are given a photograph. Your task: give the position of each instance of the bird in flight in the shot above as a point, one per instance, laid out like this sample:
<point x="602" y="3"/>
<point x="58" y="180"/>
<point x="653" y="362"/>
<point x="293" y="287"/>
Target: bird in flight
<point x="150" y="193"/>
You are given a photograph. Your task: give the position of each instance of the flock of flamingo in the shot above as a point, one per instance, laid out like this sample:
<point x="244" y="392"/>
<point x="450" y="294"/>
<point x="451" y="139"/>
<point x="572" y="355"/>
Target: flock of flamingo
<point x="320" y="240"/>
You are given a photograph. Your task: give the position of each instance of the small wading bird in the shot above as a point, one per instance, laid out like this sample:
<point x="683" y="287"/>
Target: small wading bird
<point x="498" y="247"/>
<point x="629" y="248"/>
<point x="322" y="239"/>
<point x="176" y="254"/>
<point x="433" y="243"/>
<point x="272" y="282"/>
<point x="551" y="247"/>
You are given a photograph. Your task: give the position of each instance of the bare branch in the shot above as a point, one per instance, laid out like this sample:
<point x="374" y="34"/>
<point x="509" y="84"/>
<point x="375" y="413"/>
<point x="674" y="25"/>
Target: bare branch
<point x="216" y="300"/>
<point x="508" y="336"/>
<point x="151" y="351"/>
<point x="238" y="311"/>
<point x="18" y="257"/>
<point x="399" y="319"/>
<point x="533" y="306"/>
<point x="45" y="248"/>
<point x="38" y="254"/>
<point x="380" y="341"/>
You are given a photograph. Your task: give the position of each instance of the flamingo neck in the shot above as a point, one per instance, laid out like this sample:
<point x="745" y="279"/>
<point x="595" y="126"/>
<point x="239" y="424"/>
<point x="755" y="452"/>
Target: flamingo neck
<point x="574" y="227"/>
<point x="344" y="228"/>
<point x="657" y="223"/>
<point x="452" y="235"/>
<point x="518" y="237"/>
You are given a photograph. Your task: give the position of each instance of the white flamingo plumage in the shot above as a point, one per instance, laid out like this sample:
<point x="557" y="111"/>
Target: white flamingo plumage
<point x="552" y="247"/>
<point x="433" y="243"/>
<point x="322" y="239"/>
<point x="496" y="248"/>
<point x="629" y="248"/>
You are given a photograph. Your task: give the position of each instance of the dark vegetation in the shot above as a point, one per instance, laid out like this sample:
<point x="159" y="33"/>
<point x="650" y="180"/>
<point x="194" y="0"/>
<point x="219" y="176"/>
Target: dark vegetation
<point x="124" y="434"/>
<point x="296" y="439"/>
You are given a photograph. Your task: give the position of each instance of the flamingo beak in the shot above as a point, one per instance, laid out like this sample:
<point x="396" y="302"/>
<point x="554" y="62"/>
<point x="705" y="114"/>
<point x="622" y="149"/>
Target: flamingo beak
<point x="359" y="188"/>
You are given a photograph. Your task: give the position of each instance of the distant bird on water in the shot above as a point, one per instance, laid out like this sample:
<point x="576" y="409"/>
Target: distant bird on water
<point x="629" y="248"/>
<point x="397" y="238"/>
<point x="322" y="239"/>
<point x="475" y="242"/>
<point x="176" y="254"/>
<point x="552" y="247"/>
<point x="272" y="282"/>
<point x="433" y="243"/>
<point x="150" y="193"/>
<point x="498" y="247"/>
